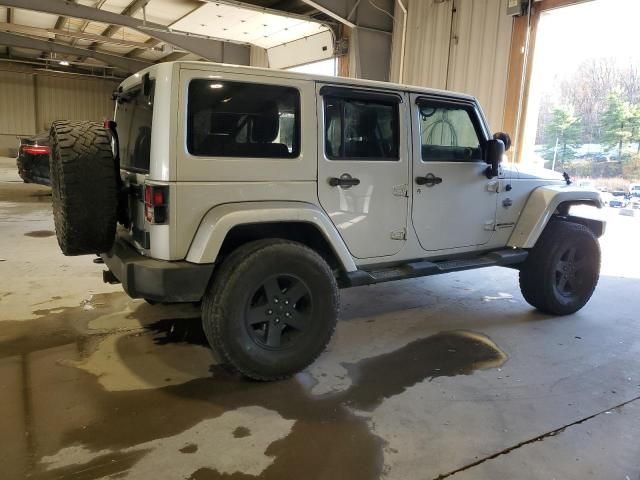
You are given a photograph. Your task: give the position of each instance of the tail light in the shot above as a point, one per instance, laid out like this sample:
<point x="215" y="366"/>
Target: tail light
<point x="35" y="149"/>
<point x="156" y="204"/>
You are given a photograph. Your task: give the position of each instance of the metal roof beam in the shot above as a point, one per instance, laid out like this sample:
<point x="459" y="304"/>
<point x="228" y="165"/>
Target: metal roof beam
<point x="52" y="33"/>
<point x="126" y="64"/>
<point x="207" y="48"/>
<point x="9" y="21"/>
<point x="62" y="20"/>
<point x="129" y="11"/>
<point x="330" y="12"/>
<point x="374" y="15"/>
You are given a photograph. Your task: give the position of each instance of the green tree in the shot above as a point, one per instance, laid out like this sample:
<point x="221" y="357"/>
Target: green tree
<point x="631" y="168"/>
<point x="616" y="123"/>
<point x="634" y="123"/>
<point x="563" y="135"/>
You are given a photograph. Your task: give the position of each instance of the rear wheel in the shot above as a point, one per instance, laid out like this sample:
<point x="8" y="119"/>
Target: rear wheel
<point x="84" y="187"/>
<point x="562" y="270"/>
<point x="271" y="308"/>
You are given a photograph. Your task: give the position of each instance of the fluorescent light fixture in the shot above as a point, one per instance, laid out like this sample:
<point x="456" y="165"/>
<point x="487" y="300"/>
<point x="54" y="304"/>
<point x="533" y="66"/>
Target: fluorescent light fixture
<point x="64" y="63"/>
<point x="215" y="85"/>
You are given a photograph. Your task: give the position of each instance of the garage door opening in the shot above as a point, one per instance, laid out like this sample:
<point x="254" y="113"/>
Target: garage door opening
<point x="583" y="110"/>
<point x="582" y="113"/>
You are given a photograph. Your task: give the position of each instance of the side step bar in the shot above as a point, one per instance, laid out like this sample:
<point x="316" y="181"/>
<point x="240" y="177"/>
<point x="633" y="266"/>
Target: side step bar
<point x="499" y="258"/>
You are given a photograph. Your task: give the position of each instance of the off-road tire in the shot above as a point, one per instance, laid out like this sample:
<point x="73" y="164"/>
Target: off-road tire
<point x="548" y="265"/>
<point x="33" y="169"/>
<point x="84" y="187"/>
<point x="229" y="296"/>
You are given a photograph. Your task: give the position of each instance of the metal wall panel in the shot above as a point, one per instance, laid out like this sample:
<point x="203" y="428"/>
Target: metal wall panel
<point x="72" y="98"/>
<point x="466" y="50"/>
<point x="479" y="59"/>
<point x="427" y="43"/>
<point x="31" y="100"/>
<point x="17" y="109"/>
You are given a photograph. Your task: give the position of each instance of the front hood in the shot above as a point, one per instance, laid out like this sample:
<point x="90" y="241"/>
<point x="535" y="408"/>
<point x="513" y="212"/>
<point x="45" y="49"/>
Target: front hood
<point x="525" y="171"/>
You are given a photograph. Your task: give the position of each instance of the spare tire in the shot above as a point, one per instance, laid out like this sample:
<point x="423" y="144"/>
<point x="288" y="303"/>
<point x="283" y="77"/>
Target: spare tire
<point x="84" y="186"/>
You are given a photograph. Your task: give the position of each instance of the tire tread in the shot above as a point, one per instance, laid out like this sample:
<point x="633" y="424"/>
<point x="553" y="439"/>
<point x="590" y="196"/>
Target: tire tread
<point x="219" y="291"/>
<point x="84" y="187"/>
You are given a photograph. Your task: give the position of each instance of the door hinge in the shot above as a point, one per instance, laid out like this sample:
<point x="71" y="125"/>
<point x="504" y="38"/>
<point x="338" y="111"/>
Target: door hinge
<point x="399" y="234"/>
<point x="493" y="186"/>
<point x="490" y="225"/>
<point x="401" y="190"/>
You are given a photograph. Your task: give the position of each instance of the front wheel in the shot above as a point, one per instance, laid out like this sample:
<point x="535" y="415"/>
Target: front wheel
<point x="562" y="270"/>
<point x="271" y="308"/>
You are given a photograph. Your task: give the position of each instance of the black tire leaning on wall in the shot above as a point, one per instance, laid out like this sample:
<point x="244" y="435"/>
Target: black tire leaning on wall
<point x="84" y="187"/>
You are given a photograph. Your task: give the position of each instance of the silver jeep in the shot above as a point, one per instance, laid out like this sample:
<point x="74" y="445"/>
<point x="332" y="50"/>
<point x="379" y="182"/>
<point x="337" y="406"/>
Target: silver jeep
<point x="259" y="193"/>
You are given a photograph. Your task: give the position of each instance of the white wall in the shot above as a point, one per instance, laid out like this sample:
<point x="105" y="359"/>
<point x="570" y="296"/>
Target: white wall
<point x="465" y="51"/>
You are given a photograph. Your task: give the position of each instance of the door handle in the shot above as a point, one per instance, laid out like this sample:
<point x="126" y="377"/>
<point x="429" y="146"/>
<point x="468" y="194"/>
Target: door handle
<point x="345" y="181"/>
<point x="429" y="180"/>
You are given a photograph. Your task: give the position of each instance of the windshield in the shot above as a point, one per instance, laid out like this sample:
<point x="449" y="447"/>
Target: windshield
<point x="134" y="115"/>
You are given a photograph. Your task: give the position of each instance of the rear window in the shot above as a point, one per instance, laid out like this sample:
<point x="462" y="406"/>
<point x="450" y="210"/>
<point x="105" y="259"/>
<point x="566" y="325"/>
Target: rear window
<point x="237" y="119"/>
<point x="134" y="116"/>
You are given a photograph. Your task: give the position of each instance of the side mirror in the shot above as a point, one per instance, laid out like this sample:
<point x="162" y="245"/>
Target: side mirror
<point x="506" y="139"/>
<point x="494" y="152"/>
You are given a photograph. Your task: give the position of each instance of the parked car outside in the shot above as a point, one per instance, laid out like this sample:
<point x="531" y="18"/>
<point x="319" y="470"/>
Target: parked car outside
<point x="33" y="159"/>
<point x="606" y="197"/>
<point x="619" y="199"/>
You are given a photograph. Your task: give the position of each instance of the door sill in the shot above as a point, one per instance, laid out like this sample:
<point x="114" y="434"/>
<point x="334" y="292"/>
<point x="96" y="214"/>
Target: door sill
<point x="424" y="268"/>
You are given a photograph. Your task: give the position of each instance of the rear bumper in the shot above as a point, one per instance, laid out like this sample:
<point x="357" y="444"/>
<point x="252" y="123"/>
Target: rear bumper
<point x="158" y="280"/>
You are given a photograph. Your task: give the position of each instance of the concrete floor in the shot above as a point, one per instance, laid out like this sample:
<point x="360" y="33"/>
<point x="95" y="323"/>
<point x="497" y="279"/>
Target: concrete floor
<point x="443" y="377"/>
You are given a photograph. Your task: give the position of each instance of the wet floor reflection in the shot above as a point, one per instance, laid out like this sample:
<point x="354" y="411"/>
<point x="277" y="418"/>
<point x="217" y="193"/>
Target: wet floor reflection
<point x="69" y="425"/>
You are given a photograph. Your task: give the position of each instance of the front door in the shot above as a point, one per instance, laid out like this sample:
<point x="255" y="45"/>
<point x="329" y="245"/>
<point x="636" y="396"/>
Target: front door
<point x="454" y="203"/>
<point x="363" y="167"/>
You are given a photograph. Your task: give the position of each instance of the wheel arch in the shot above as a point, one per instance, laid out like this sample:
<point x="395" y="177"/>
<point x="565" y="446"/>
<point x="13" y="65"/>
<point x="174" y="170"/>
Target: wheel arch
<point x="547" y="202"/>
<point x="228" y="226"/>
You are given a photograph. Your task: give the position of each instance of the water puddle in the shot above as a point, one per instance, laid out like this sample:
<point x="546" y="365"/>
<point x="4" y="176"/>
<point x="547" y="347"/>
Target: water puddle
<point x="40" y="234"/>
<point x="146" y="401"/>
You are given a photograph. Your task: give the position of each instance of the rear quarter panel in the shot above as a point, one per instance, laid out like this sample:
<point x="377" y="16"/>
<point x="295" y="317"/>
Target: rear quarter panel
<point x="206" y="182"/>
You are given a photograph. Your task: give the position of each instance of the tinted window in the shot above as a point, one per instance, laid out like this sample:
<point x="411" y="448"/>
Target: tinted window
<point x="360" y="129"/>
<point x="234" y="119"/>
<point x="134" y="116"/>
<point x="448" y="133"/>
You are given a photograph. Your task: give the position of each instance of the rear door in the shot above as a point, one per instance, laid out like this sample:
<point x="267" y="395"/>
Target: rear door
<point x="134" y="114"/>
<point x="454" y="203"/>
<point x="363" y="167"/>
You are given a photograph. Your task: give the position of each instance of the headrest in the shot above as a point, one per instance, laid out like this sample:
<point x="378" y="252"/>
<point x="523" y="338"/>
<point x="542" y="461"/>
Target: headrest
<point x="223" y="123"/>
<point x="266" y="123"/>
<point x="368" y="120"/>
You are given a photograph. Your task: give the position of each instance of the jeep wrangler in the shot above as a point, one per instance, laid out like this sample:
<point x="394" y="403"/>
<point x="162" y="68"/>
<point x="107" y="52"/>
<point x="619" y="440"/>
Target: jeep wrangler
<point x="259" y="193"/>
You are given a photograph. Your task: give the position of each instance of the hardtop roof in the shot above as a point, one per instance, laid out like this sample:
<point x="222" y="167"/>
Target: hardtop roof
<point x="354" y="82"/>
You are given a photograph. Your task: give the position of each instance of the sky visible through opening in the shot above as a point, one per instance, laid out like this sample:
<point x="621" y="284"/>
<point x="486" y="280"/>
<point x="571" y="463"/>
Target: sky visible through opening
<point x="569" y="36"/>
<point x="601" y="28"/>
